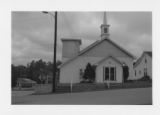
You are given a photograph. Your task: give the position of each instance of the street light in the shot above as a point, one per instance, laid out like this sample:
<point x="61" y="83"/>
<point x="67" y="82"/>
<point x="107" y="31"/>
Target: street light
<point x="55" y="47"/>
<point x="45" y="12"/>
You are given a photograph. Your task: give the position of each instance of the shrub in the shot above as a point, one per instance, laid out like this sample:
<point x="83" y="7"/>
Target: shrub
<point x="145" y="78"/>
<point x="89" y="73"/>
<point x="87" y="81"/>
<point x="130" y="81"/>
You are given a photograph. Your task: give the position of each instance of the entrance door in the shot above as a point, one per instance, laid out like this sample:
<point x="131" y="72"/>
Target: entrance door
<point x="125" y="73"/>
<point x="110" y="73"/>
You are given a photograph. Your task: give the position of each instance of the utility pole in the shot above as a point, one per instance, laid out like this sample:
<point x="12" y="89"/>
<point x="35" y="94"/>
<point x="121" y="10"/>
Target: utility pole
<point x="54" y="58"/>
<point x="54" y="50"/>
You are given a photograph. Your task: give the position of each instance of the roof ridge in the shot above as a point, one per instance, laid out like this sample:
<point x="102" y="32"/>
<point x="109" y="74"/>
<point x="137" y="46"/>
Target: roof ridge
<point x="88" y="47"/>
<point x="142" y="55"/>
<point x="94" y="44"/>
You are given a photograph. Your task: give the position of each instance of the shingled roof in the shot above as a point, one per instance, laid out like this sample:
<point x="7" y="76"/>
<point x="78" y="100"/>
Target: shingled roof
<point x="149" y="53"/>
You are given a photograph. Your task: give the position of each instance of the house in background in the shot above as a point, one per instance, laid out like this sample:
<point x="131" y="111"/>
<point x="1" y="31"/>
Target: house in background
<point x="143" y="66"/>
<point x="108" y="57"/>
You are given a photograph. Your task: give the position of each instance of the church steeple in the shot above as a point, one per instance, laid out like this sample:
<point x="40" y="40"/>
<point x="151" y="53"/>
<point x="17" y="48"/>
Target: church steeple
<point x="105" y="19"/>
<point x="105" y="28"/>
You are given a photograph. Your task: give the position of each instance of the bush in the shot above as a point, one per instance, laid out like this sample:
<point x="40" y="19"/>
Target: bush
<point x="89" y="73"/>
<point x="145" y="78"/>
<point x="129" y="81"/>
<point x="87" y="81"/>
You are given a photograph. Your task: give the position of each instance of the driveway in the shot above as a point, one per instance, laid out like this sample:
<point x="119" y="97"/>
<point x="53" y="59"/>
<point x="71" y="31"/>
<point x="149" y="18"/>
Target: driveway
<point x="135" y="96"/>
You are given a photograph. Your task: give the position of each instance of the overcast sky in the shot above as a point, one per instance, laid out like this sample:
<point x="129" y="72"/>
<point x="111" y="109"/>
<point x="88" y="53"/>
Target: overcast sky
<point x="32" y="32"/>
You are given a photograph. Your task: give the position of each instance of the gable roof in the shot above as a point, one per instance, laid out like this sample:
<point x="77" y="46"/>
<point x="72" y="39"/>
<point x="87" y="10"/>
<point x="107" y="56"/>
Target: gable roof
<point x="106" y="58"/>
<point x="149" y="53"/>
<point x="95" y="44"/>
<point x="109" y="40"/>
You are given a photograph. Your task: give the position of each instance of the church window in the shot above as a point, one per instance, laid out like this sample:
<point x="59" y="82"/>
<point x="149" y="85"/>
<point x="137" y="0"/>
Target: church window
<point x="105" y="30"/>
<point x="110" y="73"/>
<point x="115" y="74"/>
<point x="145" y="60"/>
<point x="106" y="73"/>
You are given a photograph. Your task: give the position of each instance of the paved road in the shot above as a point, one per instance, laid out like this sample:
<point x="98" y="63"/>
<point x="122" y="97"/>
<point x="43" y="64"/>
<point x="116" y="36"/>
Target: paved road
<point x="21" y="93"/>
<point x="110" y="97"/>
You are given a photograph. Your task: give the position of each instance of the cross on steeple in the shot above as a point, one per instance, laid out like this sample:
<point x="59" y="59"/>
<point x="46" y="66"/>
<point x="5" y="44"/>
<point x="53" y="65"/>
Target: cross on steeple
<point x="105" y="28"/>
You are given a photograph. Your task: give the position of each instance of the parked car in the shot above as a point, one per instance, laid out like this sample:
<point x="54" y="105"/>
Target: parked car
<point x="25" y="82"/>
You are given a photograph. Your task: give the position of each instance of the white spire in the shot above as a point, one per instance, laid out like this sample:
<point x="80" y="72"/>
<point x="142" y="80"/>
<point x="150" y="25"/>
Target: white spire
<point x="105" y="19"/>
<point x="105" y="27"/>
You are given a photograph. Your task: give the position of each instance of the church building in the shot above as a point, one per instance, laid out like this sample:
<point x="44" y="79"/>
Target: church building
<point x="107" y="56"/>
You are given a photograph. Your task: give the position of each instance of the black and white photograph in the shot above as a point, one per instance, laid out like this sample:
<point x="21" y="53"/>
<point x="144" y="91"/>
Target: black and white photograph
<point x="81" y="58"/>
